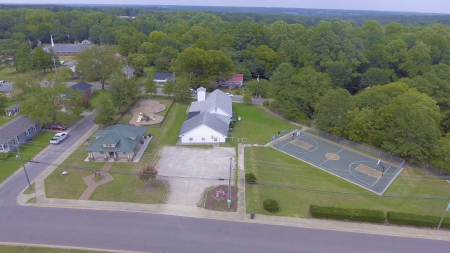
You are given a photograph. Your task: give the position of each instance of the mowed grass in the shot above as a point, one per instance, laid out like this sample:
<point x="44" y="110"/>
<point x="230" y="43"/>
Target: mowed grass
<point x="126" y="186"/>
<point x="8" y="74"/>
<point x="28" y="150"/>
<point x="21" y="249"/>
<point x="4" y="119"/>
<point x="257" y="125"/>
<point x="296" y="185"/>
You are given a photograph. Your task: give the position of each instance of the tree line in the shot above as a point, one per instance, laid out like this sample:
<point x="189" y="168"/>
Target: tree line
<point x="385" y="85"/>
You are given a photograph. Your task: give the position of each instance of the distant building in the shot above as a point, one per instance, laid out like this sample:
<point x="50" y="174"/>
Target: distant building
<point x="208" y="119"/>
<point x="236" y="81"/>
<point x="117" y="142"/>
<point x="66" y="49"/>
<point x="12" y="110"/>
<point x="16" y="132"/>
<point x="129" y="71"/>
<point x="85" y="88"/>
<point x="161" y="77"/>
<point x="86" y="42"/>
<point x="8" y="90"/>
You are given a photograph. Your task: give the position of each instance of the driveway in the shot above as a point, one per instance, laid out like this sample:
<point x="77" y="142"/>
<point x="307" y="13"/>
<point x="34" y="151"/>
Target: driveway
<point x="189" y="171"/>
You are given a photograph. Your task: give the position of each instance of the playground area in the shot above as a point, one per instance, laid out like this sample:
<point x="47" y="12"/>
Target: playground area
<point x="371" y="173"/>
<point x="147" y="113"/>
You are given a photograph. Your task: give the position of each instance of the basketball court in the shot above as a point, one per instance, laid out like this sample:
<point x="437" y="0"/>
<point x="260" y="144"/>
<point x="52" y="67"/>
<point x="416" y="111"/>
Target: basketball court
<point x="355" y="167"/>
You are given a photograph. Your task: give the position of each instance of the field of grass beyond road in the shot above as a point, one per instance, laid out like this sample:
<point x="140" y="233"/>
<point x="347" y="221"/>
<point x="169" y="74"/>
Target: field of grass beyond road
<point x="257" y="125"/>
<point x="21" y="249"/>
<point x="29" y="150"/>
<point x="296" y="185"/>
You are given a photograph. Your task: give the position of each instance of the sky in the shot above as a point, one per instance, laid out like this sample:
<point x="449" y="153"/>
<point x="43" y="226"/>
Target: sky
<point x="425" y="6"/>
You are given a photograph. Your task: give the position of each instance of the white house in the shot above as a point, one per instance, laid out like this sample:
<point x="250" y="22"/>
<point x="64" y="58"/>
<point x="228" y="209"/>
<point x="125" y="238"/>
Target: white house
<point x="208" y="119"/>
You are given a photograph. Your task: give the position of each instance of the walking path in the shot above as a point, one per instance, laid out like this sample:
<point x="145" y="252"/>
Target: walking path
<point x="92" y="184"/>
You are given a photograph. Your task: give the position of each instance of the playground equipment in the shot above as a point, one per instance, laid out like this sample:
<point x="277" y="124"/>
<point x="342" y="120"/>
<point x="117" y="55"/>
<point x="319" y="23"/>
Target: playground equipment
<point x="146" y="113"/>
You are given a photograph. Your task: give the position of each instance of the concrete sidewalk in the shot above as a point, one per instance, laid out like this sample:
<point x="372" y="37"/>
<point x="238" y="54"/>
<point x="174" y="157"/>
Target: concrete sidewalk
<point x="239" y="216"/>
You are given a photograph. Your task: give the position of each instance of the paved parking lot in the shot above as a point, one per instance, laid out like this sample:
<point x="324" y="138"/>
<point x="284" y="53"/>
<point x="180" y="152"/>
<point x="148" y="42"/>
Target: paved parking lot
<point x="190" y="170"/>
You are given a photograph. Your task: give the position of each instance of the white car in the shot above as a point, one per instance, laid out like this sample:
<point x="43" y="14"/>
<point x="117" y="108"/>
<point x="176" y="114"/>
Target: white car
<point x="59" y="137"/>
<point x="229" y="94"/>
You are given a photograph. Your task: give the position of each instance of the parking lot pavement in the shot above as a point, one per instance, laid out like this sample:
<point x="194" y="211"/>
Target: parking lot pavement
<point x="189" y="171"/>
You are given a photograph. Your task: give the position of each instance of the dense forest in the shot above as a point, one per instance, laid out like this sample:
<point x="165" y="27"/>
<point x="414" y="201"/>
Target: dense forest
<point x="387" y="85"/>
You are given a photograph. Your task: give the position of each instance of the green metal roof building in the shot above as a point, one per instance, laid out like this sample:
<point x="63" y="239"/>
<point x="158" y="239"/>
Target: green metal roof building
<point x="116" y="142"/>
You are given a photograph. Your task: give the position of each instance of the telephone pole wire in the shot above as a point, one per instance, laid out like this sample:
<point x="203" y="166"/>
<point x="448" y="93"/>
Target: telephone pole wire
<point x="23" y="165"/>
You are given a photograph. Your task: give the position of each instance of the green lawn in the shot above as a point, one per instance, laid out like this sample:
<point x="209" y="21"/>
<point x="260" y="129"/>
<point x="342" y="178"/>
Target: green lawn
<point x="21" y="249"/>
<point x="29" y="150"/>
<point x="296" y="185"/>
<point x="4" y="119"/>
<point x="126" y="186"/>
<point x="257" y="125"/>
<point x="8" y="74"/>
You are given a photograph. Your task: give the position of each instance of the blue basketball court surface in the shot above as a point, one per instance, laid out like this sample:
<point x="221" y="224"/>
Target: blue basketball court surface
<point x="355" y="167"/>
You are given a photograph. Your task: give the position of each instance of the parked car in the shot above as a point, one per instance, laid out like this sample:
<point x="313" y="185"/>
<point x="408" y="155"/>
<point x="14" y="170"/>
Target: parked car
<point x="59" y="137"/>
<point x="229" y="94"/>
<point x="58" y="127"/>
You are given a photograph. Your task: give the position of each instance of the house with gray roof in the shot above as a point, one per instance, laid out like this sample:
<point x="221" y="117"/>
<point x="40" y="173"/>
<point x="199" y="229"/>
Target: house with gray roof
<point x="16" y="132"/>
<point x="162" y="77"/>
<point x="66" y="49"/>
<point x="208" y="118"/>
<point x="117" y="142"/>
<point x="8" y="90"/>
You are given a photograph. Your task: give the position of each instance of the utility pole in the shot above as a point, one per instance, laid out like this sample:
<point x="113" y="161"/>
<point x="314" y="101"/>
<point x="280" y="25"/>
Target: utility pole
<point x="229" y="185"/>
<point x="443" y="215"/>
<point x="23" y="165"/>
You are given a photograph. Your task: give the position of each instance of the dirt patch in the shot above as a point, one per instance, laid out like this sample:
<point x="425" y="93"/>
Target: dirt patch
<point x="149" y="187"/>
<point x="218" y="202"/>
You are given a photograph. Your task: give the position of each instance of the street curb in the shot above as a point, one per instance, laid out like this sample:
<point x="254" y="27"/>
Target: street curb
<point x="65" y="247"/>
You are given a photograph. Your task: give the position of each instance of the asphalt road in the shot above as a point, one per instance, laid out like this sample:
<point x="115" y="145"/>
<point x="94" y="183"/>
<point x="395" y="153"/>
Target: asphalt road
<point x="164" y="233"/>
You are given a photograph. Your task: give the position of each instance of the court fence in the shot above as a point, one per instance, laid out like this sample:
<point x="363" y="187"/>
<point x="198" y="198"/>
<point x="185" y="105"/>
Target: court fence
<point x="362" y="148"/>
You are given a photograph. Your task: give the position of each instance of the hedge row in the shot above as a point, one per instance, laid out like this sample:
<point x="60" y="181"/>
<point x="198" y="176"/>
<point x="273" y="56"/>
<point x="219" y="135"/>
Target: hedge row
<point x="416" y="220"/>
<point x="336" y="213"/>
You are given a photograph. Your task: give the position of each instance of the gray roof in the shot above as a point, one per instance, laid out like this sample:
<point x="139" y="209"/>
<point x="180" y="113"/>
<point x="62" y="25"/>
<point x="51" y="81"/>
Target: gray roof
<point x="81" y="86"/>
<point x="207" y="119"/>
<point x="164" y="76"/>
<point x="128" y="69"/>
<point x="124" y="137"/>
<point x="6" y="87"/>
<point x="215" y="99"/>
<point x="13" y="107"/>
<point x="14" y="128"/>
<point x="67" y="48"/>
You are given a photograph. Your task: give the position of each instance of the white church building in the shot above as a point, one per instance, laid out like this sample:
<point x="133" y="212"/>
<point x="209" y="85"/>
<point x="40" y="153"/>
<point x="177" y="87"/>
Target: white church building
<point x="208" y="119"/>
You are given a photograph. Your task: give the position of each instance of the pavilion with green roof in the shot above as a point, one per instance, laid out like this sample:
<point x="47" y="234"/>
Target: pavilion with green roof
<point x="117" y="142"/>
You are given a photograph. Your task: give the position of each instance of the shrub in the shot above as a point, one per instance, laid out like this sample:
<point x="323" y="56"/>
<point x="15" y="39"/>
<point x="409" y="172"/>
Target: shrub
<point x="413" y="219"/>
<point x="4" y="155"/>
<point x="250" y="177"/>
<point x="266" y="103"/>
<point x="237" y="92"/>
<point x="271" y="205"/>
<point x="337" y="213"/>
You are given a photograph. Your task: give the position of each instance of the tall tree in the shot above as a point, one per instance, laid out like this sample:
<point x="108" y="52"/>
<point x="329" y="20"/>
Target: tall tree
<point x="98" y="63"/>
<point x="123" y="91"/>
<point x="331" y="109"/>
<point x="105" y="110"/>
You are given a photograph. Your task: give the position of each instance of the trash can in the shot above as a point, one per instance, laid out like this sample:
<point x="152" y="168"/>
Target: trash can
<point x="252" y="215"/>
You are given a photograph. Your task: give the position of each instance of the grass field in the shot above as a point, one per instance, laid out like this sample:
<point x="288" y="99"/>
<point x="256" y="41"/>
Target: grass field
<point x="20" y="249"/>
<point x="8" y="74"/>
<point x="257" y="125"/>
<point x="296" y="185"/>
<point x="29" y="150"/>
<point x="4" y="119"/>
<point x="126" y="186"/>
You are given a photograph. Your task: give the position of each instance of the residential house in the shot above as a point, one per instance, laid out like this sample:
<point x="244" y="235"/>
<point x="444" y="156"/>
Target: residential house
<point x="236" y="81"/>
<point x="161" y="77"/>
<point x="66" y="49"/>
<point x="129" y="71"/>
<point x="85" y="88"/>
<point x="117" y="142"/>
<point x="12" y="110"/>
<point x="208" y="118"/>
<point x="16" y="132"/>
<point x="8" y="90"/>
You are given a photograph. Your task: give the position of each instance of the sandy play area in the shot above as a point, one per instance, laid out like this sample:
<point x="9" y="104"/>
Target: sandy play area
<point x="146" y="113"/>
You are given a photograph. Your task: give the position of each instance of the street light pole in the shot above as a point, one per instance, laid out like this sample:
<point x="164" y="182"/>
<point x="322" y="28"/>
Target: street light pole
<point x="229" y="186"/>
<point x="23" y="165"/>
